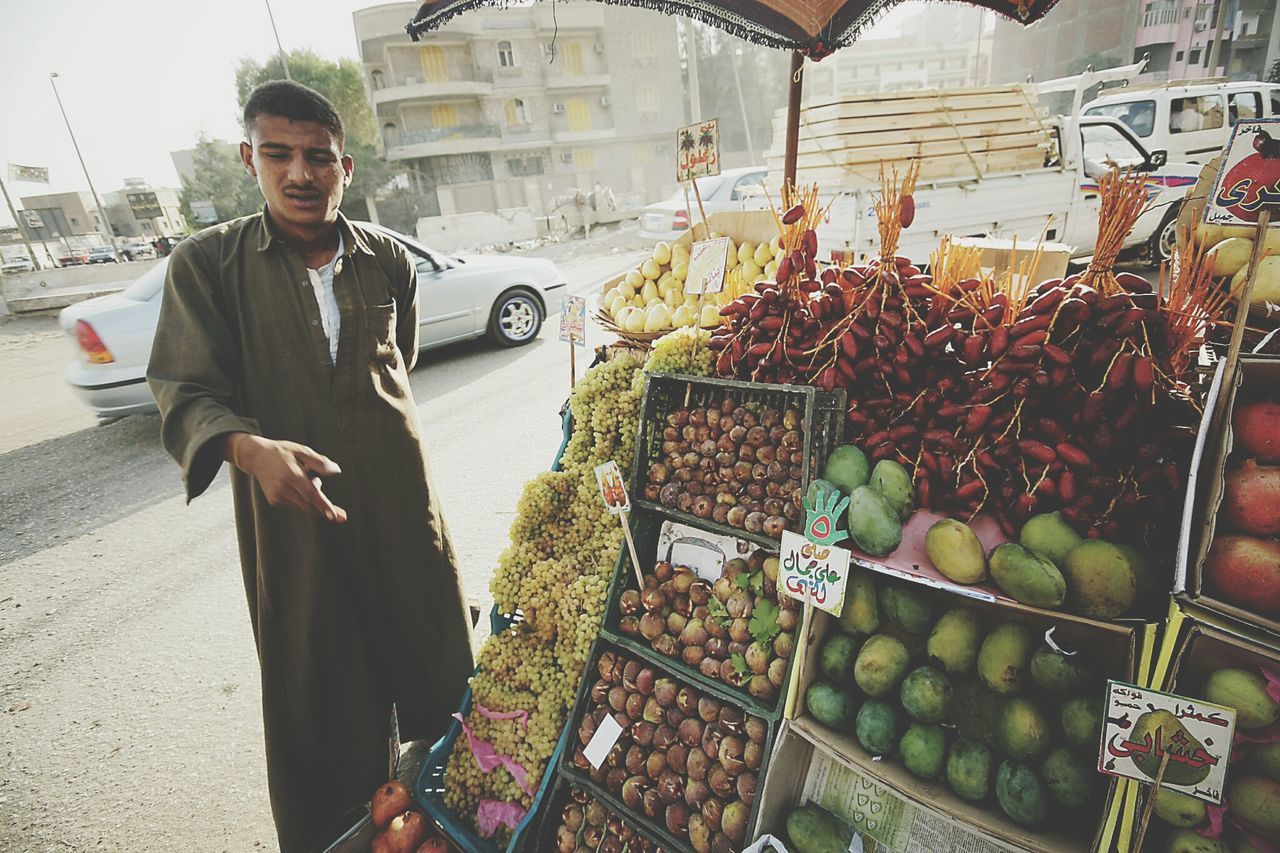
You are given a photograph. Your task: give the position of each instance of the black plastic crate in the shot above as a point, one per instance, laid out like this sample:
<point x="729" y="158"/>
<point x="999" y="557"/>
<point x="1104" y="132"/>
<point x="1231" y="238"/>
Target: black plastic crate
<point x="646" y="526"/>
<point x="649" y="826"/>
<point x="561" y="796"/>
<point x="823" y="413"/>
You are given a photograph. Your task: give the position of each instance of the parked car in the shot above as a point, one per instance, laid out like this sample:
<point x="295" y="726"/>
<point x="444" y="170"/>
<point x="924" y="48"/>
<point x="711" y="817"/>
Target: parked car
<point x="138" y="251"/>
<point x="460" y="298"/>
<point x="729" y="190"/>
<point x="102" y="255"/>
<point x="73" y="258"/>
<point x="1191" y="120"/>
<point x="17" y="264"/>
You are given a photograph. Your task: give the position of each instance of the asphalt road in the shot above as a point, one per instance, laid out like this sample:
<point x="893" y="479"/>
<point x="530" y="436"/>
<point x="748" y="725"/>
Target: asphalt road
<point x="129" y="697"/>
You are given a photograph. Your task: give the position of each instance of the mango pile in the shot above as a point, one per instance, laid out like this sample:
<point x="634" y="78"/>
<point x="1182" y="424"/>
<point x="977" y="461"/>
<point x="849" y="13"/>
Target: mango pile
<point x="987" y="706"/>
<point x="1252" y="794"/>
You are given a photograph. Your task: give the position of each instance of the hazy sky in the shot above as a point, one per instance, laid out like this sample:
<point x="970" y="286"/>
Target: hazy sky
<point x="141" y="78"/>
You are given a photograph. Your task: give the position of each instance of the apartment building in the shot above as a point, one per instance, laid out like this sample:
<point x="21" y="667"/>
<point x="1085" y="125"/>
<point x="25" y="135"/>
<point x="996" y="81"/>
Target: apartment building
<point x="139" y="210"/>
<point x="1075" y="34"/>
<point x="519" y="106"/>
<point x="71" y="218"/>
<point x="1178" y="37"/>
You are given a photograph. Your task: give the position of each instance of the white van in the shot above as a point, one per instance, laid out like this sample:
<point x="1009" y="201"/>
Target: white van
<point x="1191" y="119"/>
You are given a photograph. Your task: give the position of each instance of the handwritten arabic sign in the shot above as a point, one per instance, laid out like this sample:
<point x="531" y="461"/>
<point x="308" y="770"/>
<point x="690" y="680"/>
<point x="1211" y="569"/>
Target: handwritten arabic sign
<point x="698" y="150"/>
<point x="814" y="572"/>
<point x="708" y="260"/>
<point x="609" y="479"/>
<point x="1142" y="726"/>
<point x="573" y="320"/>
<point x="1249" y="180"/>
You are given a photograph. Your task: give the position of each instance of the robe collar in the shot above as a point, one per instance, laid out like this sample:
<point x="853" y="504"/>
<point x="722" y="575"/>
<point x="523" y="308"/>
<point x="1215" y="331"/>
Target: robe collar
<point x="352" y="241"/>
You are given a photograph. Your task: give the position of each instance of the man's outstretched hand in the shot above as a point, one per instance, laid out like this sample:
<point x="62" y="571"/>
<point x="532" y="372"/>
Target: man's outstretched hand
<point x="288" y="473"/>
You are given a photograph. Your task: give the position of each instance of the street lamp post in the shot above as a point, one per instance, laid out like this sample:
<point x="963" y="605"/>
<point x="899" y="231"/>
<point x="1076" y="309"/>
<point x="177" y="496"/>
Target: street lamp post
<point x="284" y="60"/>
<point x="53" y="81"/>
<point x="742" y="105"/>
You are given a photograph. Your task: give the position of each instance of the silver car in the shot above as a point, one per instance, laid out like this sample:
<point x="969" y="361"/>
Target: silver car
<point x="460" y="298"/>
<point x="732" y="189"/>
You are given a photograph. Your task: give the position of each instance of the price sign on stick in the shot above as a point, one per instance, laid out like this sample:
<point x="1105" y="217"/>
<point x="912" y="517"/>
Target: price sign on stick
<point x="1144" y="729"/>
<point x="698" y="150"/>
<point x="573" y="320"/>
<point x="614" y="491"/>
<point x="708" y="263"/>
<point x="813" y="573"/>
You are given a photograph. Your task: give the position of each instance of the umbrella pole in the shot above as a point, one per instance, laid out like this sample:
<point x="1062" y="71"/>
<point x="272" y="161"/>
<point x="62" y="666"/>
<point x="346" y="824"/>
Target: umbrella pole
<point x="793" y="118"/>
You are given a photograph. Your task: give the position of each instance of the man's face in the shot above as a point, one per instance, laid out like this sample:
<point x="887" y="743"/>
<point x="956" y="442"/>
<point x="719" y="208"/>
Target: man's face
<point x="300" y="169"/>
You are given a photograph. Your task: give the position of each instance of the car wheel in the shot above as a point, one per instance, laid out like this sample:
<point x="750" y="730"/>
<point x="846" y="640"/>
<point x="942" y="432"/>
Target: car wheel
<point x="1165" y="238"/>
<point x="516" y="318"/>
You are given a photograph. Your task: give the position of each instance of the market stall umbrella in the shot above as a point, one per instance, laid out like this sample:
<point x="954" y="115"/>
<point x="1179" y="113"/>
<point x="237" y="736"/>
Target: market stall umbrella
<point x="812" y="28"/>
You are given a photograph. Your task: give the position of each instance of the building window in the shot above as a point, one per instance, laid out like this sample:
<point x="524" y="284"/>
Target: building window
<point x="444" y="116"/>
<point x="1160" y="12"/>
<point x="570" y="58"/>
<point x="390" y="134"/>
<point x="1177" y="57"/>
<point x="1194" y="58"/>
<point x="578" y="114"/>
<point x="525" y="167"/>
<point x="647" y="99"/>
<point x="516" y="114"/>
<point x="506" y="56"/>
<point x="434" y="67"/>
<point x="375" y="77"/>
<point x="584" y="159"/>
<point x="642" y="44"/>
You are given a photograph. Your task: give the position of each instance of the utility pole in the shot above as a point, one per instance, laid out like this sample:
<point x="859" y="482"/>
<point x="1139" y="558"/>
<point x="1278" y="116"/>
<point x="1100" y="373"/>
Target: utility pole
<point x="284" y="60"/>
<point x="742" y="105"/>
<point x="691" y="51"/>
<point x="18" y="222"/>
<point x="1216" y="47"/>
<point x="106" y="223"/>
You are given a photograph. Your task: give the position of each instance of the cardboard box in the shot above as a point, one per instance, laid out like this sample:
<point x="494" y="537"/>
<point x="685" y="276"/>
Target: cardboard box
<point x="1255" y="376"/>
<point x="999" y="256"/>
<point x="1112" y="647"/>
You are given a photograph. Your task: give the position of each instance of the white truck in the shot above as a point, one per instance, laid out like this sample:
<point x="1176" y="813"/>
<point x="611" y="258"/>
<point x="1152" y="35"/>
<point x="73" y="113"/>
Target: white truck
<point x="1052" y="196"/>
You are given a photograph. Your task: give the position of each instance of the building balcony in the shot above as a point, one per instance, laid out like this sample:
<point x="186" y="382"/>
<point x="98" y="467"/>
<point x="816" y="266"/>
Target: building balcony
<point x="580" y="81"/>
<point x="1155" y="34"/>
<point x="418" y="89"/>
<point x="446" y="140"/>
<point x="520" y="137"/>
<point x="570" y="16"/>
<point x="575" y="137"/>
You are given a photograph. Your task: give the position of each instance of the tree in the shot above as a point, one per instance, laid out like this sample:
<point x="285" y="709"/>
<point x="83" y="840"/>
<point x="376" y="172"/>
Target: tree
<point x="763" y="74"/>
<point x="342" y="84"/>
<point x="219" y="178"/>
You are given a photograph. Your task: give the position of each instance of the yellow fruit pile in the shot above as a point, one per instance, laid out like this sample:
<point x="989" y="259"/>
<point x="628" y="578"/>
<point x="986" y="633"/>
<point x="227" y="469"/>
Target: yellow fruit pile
<point x="1229" y="250"/>
<point x="652" y="298"/>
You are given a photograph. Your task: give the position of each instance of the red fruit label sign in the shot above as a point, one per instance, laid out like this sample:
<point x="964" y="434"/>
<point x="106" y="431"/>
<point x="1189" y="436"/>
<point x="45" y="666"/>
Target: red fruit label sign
<point x="1249" y="179"/>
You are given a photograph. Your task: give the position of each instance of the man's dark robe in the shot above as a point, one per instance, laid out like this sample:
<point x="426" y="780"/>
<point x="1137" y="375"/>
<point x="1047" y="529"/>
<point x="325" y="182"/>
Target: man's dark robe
<point x="348" y="618"/>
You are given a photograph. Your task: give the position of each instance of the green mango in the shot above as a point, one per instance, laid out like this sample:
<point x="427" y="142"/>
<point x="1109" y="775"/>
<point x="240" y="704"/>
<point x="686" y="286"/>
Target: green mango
<point x="1020" y="793"/>
<point x="925" y="694"/>
<point x="969" y="769"/>
<point x="1082" y="723"/>
<point x="847" y="468"/>
<point x="814" y="830"/>
<point x="837" y="657"/>
<point x="819" y="492"/>
<point x="1255" y="799"/>
<point x="860" y="613"/>
<point x="1059" y="673"/>
<point x="1178" y="809"/>
<point x="892" y="480"/>
<point x="1101" y="583"/>
<point x="976" y="711"/>
<point x="923" y="747"/>
<point x="1247" y="693"/>
<point x="833" y="706"/>
<point x="1188" y="841"/>
<point x="1265" y="758"/>
<point x="1153" y="588"/>
<point x="1004" y="657"/>
<point x="953" y="642"/>
<point x="1163" y="728"/>
<point x="1050" y="536"/>
<point x="881" y="664"/>
<point x="908" y="605"/>
<point x="1024" y="730"/>
<point x="1070" y="779"/>
<point x="955" y="551"/>
<point x="1026" y="577"/>
<point x="877" y="727"/>
<point x="873" y="523"/>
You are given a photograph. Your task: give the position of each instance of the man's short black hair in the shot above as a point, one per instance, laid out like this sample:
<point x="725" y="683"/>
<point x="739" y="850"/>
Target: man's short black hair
<point x="287" y="99"/>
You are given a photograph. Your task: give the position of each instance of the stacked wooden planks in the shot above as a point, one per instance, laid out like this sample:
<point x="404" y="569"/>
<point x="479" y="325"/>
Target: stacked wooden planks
<point x="956" y="133"/>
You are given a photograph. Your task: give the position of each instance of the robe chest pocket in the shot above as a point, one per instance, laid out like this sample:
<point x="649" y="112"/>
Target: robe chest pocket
<point x="381" y="321"/>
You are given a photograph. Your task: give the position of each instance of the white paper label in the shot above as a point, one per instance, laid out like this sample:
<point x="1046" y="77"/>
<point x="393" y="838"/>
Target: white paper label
<point x="813" y="572"/>
<point x="607" y="734"/>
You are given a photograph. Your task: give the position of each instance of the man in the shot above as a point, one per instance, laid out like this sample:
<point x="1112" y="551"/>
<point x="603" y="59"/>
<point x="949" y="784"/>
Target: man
<point x="284" y="347"/>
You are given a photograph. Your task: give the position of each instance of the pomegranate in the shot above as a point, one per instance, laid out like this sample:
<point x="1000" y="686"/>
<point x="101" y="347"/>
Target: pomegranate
<point x="1245" y="572"/>
<point x="1251" y="501"/>
<point x="388" y="801"/>
<point x="1256" y="429"/>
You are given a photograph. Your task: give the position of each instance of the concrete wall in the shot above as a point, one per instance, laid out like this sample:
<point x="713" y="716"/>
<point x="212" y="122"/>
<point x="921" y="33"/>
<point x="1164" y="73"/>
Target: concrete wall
<point x="465" y="230"/>
<point x="88" y="277"/>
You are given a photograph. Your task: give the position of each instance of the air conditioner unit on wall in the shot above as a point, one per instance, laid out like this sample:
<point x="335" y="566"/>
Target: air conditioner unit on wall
<point x="557" y="108"/>
<point x="566" y="157"/>
<point x="1201" y="26"/>
<point x="604" y="100"/>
